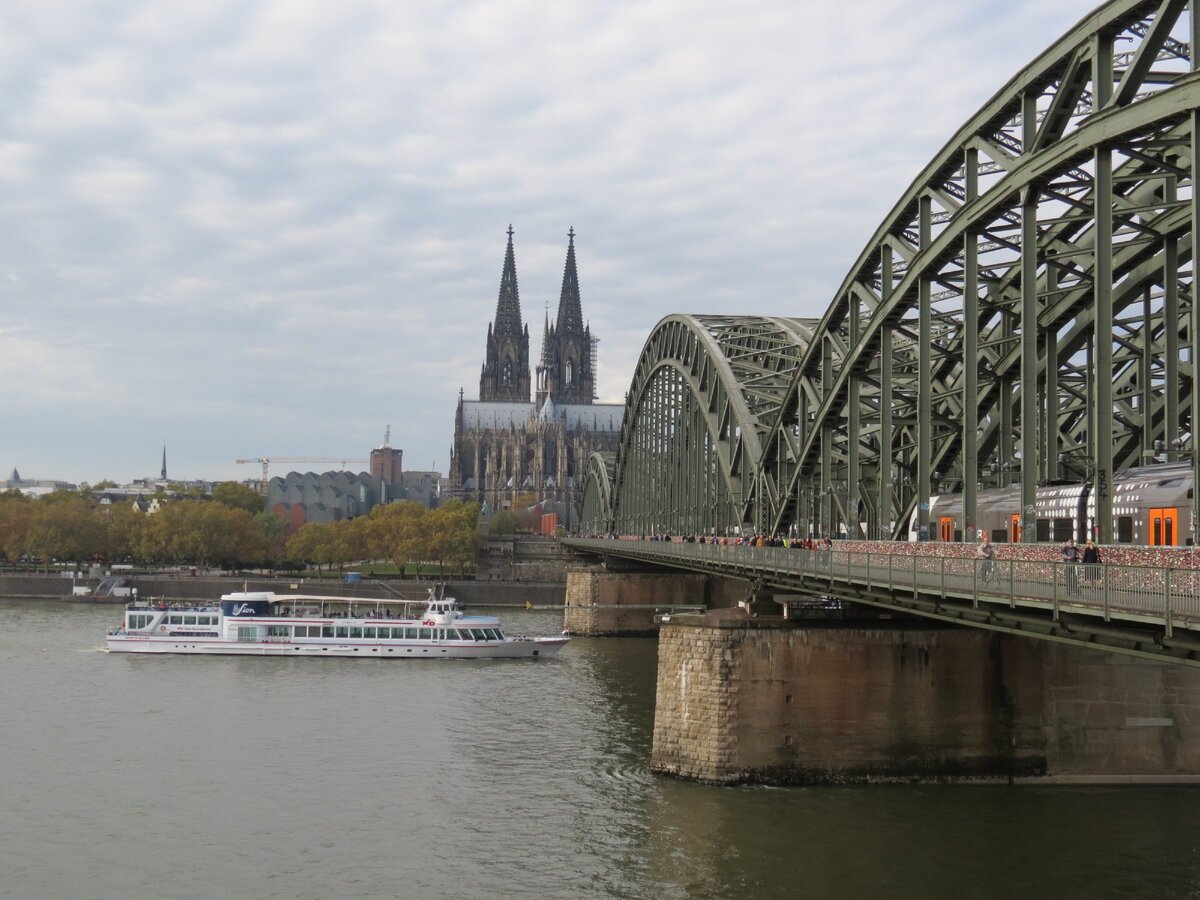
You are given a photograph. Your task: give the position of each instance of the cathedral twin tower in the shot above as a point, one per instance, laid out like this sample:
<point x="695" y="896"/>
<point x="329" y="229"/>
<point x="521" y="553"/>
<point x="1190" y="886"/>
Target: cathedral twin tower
<point x="507" y="448"/>
<point x="564" y="374"/>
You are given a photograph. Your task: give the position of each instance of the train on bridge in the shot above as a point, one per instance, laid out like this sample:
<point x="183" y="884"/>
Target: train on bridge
<point x="1150" y="508"/>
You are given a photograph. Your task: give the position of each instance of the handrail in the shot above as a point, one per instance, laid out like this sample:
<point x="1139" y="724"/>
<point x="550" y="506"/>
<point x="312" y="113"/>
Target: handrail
<point x="1164" y="597"/>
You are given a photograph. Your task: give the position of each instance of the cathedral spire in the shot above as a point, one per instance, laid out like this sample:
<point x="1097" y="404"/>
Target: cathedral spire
<point x="570" y="312"/>
<point x="508" y="304"/>
<point x="164" y="466"/>
<point x="505" y="374"/>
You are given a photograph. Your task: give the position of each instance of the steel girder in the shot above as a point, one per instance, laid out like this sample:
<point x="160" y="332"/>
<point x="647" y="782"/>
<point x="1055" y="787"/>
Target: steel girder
<point x="1018" y="317"/>
<point x="703" y="394"/>
<point x="595" y="515"/>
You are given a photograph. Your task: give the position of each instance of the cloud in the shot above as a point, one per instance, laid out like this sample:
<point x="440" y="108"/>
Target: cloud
<point x="276" y="228"/>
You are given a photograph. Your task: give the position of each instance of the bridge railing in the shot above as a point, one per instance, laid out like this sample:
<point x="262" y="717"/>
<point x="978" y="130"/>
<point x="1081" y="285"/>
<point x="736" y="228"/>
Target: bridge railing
<point x="1170" y="597"/>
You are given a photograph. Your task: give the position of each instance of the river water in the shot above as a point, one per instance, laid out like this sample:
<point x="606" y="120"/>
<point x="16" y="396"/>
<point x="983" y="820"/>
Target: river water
<point x="196" y="777"/>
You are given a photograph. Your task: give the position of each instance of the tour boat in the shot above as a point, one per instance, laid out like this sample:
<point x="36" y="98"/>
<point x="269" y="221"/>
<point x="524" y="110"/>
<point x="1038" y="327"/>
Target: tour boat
<point x="268" y="624"/>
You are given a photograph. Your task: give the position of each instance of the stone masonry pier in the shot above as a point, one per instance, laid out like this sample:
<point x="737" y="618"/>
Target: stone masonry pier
<point x="744" y="699"/>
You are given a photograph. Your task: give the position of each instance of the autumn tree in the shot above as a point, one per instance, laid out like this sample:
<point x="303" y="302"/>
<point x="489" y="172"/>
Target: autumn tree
<point x="454" y="532"/>
<point x="202" y="533"/>
<point x="65" y="526"/>
<point x="238" y="496"/>
<point x="397" y="532"/>
<point x="323" y="543"/>
<point x="16" y="514"/>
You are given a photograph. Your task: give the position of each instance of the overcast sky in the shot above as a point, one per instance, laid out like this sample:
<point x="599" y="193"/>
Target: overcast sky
<point x="273" y="229"/>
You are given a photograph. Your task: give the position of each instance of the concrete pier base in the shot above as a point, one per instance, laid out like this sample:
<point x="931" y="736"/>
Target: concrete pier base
<point x="760" y="700"/>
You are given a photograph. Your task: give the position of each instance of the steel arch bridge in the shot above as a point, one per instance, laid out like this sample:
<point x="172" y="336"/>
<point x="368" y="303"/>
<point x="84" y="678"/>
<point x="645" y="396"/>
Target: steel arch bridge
<point x="1025" y="313"/>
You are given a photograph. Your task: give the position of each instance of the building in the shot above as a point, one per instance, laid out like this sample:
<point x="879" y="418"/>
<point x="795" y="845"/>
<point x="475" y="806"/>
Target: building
<point x="36" y="487"/>
<point x="509" y="443"/>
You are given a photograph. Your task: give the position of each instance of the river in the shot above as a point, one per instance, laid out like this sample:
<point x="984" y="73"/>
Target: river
<point x="197" y="777"/>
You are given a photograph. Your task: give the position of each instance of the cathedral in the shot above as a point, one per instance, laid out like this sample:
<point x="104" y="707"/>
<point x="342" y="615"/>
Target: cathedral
<point x="506" y="445"/>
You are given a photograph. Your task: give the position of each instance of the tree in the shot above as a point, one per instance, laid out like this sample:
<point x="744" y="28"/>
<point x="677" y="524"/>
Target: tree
<point x="202" y="533"/>
<point x="399" y="532"/>
<point x="503" y="522"/>
<point x="16" y="514"/>
<point x="66" y="527"/>
<point x="454" y="527"/>
<point x="323" y="543"/>
<point x="238" y="496"/>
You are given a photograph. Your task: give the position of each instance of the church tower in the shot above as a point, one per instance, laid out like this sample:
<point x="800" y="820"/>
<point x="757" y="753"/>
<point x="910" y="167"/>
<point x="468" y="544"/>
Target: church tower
<point x="565" y="374"/>
<point x="505" y="376"/>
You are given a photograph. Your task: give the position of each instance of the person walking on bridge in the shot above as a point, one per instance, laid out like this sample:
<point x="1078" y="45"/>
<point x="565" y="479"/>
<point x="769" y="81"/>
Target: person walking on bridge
<point x="986" y="554"/>
<point x="1091" y="563"/>
<point x="1070" y="556"/>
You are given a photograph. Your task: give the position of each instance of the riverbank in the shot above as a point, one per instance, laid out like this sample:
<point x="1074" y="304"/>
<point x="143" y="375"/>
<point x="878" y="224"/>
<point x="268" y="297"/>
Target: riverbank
<point x="185" y="588"/>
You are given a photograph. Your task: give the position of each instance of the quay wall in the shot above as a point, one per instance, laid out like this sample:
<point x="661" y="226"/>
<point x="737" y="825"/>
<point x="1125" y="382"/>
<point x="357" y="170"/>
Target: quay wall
<point x="758" y="700"/>
<point x="194" y="588"/>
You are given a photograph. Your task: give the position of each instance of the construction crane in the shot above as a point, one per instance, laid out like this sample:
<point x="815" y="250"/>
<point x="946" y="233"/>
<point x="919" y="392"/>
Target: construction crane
<point x="267" y="460"/>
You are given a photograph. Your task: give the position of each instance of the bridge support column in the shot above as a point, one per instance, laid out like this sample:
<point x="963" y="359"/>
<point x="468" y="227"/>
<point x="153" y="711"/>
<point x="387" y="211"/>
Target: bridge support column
<point x="755" y="700"/>
<point x="605" y="603"/>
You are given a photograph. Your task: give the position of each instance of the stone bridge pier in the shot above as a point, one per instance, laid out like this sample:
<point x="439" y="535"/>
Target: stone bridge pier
<point x="626" y="600"/>
<point x="763" y="699"/>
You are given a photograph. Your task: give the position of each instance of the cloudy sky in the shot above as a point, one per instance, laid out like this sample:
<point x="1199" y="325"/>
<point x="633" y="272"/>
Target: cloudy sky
<point x="273" y="229"/>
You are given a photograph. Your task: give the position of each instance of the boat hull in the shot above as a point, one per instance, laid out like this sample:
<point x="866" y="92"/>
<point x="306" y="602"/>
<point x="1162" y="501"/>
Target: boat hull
<point x="532" y="648"/>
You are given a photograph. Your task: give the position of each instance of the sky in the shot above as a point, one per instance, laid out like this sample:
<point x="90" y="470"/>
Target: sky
<point x="276" y="229"/>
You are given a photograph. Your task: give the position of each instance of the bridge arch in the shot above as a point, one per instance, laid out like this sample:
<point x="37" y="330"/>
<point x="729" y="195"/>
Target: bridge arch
<point x="1019" y="317"/>
<point x="703" y="392"/>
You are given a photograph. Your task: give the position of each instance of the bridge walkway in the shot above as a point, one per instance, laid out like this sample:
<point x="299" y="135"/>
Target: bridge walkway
<point x="1143" y="611"/>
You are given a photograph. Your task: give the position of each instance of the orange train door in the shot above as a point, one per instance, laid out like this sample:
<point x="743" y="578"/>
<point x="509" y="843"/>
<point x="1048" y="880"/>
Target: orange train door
<point x="1014" y="533"/>
<point x="1164" y="527"/>
<point x="946" y="529"/>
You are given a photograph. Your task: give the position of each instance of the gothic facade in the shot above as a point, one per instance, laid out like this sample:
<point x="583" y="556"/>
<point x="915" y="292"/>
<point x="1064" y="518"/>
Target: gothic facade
<point x="506" y="445"/>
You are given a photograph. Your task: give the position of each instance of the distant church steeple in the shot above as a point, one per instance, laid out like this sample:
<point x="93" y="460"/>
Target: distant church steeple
<point x="565" y="374"/>
<point x="505" y="376"/>
<point x="164" y="466"/>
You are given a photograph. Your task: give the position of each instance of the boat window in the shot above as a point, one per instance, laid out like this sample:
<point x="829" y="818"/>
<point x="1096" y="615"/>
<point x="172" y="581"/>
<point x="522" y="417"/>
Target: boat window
<point x="189" y="620"/>
<point x="499" y="634"/>
<point x="426" y="634"/>
<point x="327" y="631"/>
<point x="175" y="620"/>
<point x="355" y="632"/>
<point x="410" y="634"/>
<point x="370" y="633"/>
<point x="479" y="633"/>
<point x="247" y="633"/>
<point x="279" y="631"/>
<point x="343" y="631"/>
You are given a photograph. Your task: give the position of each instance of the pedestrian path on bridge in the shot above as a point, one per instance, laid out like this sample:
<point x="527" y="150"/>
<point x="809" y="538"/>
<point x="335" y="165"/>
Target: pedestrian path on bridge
<point x="1145" y="611"/>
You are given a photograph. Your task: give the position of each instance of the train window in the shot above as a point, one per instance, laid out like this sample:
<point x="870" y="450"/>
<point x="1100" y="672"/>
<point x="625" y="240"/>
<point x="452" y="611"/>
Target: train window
<point x="999" y="535"/>
<point x="1043" y="530"/>
<point x="1124" y="529"/>
<point x="1064" y="530"/>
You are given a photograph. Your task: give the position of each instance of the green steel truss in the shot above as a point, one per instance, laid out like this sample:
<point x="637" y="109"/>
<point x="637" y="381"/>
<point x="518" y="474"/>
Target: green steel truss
<point x="1023" y="314"/>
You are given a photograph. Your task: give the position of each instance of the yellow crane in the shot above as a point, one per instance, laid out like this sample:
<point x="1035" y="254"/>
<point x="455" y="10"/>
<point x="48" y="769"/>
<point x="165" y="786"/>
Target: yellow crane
<point x="267" y="460"/>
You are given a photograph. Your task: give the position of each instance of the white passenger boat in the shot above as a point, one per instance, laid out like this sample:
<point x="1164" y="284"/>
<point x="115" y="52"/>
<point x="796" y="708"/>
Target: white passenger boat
<point x="268" y="624"/>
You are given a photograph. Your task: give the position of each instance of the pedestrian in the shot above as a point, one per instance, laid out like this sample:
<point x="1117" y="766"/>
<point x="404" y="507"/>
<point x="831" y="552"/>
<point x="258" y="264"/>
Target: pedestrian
<point x="1091" y="562"/>
<point x="986" y="554"/>
<point x="1070" y="556"/>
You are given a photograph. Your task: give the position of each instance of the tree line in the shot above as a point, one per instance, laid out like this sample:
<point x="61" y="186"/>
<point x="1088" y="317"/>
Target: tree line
<point x="230" y="529"/>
